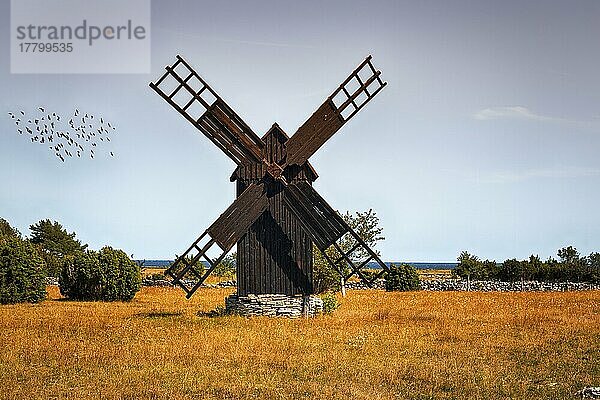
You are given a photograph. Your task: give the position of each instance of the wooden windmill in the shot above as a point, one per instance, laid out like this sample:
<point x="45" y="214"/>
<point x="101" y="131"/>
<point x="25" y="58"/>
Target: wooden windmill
<point x="277" y="214"/>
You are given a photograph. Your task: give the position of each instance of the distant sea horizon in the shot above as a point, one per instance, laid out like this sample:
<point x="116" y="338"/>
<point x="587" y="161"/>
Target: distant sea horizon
<point x="373" y="265"/>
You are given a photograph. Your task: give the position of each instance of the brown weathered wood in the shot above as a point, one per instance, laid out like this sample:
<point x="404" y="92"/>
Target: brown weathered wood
<point x="320" y="221"/>
<point x="322" y="125"/>
<point x="219" y="122"/>
<point x="258" y="170"/>
<point x="277" y="215"/>
<point x="328" y="119"/>
<point x="276" y="262"/>
<point x="238" y="217"/>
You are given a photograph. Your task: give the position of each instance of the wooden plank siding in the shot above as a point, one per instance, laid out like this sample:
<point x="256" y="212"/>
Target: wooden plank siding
<point x="275" y="255"/>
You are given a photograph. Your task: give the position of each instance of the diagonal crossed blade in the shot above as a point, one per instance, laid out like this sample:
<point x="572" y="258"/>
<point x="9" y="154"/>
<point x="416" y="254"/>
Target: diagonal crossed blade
<point x="192" y="97"/>
<point x="317" y="218"/>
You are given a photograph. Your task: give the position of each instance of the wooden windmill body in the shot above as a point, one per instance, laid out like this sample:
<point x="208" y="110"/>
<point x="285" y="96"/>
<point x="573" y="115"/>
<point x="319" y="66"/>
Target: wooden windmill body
<point x="275" y="255"/>
<point x="277" y="215"/>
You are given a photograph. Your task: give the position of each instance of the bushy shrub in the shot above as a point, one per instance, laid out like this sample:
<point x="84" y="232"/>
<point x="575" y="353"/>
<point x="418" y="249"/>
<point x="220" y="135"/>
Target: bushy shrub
<point x="330" y="302"/>
<point x="403" y="278"/>
<point x="108" y="275"/>
<point x="155" y="277"/>
<point x="325" y="278"/>
<point x="22" y="272"/>
<point x="370" y="274"/>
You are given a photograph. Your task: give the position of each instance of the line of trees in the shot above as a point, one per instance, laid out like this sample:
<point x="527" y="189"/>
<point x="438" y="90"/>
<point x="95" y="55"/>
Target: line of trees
<point x="108" y="274"/>
<point x="570" y="266"/>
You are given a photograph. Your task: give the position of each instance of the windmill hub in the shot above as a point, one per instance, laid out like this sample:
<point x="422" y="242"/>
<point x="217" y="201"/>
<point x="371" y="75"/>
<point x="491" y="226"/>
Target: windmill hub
<point x="277" y="216"/>
<point x="275" y="171"/>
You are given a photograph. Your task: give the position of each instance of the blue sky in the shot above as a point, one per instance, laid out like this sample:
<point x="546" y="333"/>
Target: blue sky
<point x="486" y="138"/>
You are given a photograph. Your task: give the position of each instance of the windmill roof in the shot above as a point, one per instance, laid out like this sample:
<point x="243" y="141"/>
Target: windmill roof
<point x="276" y="129"/>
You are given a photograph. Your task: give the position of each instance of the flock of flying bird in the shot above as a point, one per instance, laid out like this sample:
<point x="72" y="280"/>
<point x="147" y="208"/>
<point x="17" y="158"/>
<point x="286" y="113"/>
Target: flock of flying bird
<point x="81" y="134"/>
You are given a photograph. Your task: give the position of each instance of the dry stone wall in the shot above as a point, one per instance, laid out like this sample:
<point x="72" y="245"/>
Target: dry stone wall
<point x="442" y="285"/>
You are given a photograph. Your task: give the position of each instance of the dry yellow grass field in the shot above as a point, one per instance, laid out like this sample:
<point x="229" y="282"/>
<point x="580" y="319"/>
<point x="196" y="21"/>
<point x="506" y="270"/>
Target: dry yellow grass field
<point x="378" y="345"/>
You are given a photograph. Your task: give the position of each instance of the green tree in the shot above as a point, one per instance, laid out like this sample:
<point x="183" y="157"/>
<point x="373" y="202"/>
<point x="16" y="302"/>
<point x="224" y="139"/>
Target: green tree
<point x="572" y="264"/>
<point x="108" y="275"/>
<point x="367" y="227"/>
<point x="532" y="268"/>
<point x="569" y="255"/>
<point x="489" y="269"/>
<point x="226" y="268"/>
<point x="468" y="267"/>
<point x="552" y="270"/>
<point x="593" y="263"/>
<point x="7" y="230"/>
<point x="510" y="270"/>
<point x="22" y="272"/>
<point x="55" y="244"/>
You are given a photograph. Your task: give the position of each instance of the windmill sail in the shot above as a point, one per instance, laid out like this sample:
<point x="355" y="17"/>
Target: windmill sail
<point x="191" y="96"/>
<point x="352" y="95"/>
<point x="188" y="271"/>
<point x="327" y="228"/>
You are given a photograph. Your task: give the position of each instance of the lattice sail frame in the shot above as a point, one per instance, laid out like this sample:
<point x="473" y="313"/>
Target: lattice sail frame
<point x="351" y="96"/>
<point x="187" y="265"/>
<point x="193" y="98"/>
<point x="222" y="235"/>
<point x="327" y="229"/>
<point x="367" y="83"/>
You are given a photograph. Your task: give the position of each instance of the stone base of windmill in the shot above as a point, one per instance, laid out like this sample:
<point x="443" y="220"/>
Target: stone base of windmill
<point x="274" y="305"/>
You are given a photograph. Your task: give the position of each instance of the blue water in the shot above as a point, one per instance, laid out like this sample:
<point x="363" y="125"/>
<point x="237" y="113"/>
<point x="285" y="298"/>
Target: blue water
<point x="373" y="265"/>
<point x="418" y="265"/>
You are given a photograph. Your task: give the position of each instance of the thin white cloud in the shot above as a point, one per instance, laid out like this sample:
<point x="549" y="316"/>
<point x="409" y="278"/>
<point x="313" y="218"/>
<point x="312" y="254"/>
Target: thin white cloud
<point x="540" y="173"/>
<point x="524" y="113"/>
<point x="514" y="112"/>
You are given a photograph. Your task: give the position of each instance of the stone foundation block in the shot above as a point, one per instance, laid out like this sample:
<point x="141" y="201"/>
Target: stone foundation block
<point x="274" y="305"/>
